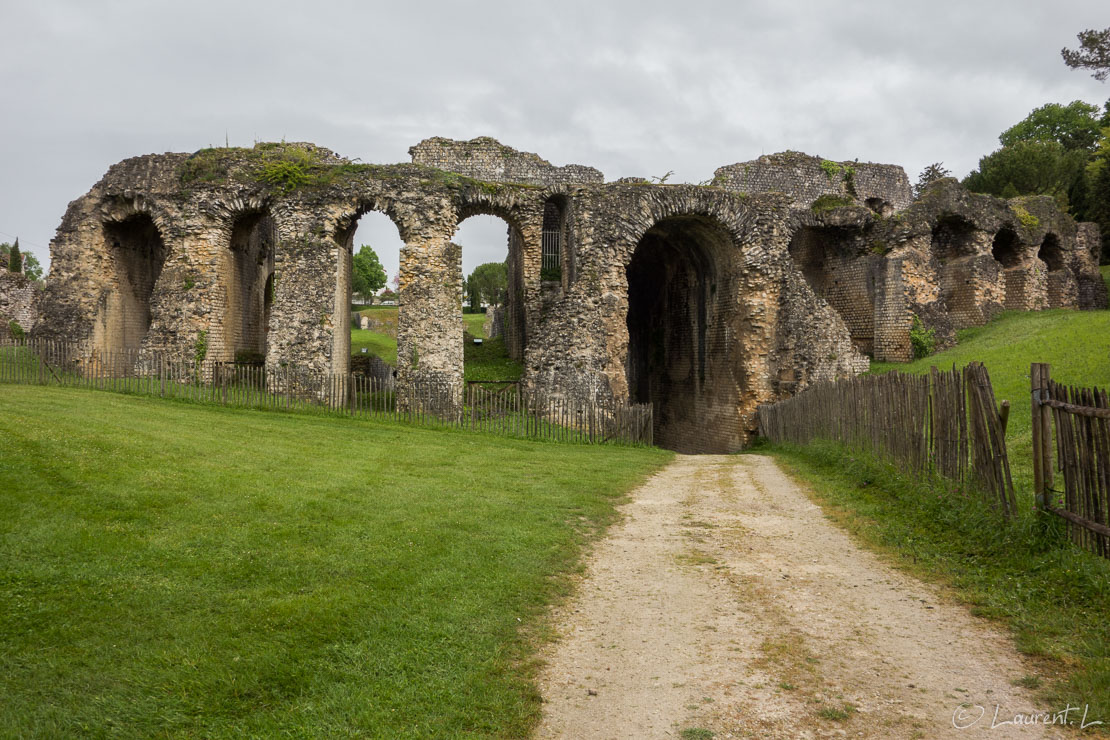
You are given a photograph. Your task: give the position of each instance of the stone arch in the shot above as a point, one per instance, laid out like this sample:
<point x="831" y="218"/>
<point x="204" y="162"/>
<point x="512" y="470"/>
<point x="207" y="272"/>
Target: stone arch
<point x="519" y="256"/>
<point x="683" y="357"/>
<point x="1006" y="248"/>
<point x="345" y="227"/>
<point x="954" y="238"/>
<point x="558" y="251"/>
<point x="137" y="251"/>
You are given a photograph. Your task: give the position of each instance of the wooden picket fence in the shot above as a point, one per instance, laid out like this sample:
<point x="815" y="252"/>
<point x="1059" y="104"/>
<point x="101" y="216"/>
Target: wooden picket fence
<point x="1079" y="421"/>
<point x="503" y="408"/>
<point x="945" y="422"/>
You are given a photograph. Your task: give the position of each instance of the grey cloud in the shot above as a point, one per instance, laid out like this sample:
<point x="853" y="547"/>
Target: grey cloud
<point x="633" y="88"/>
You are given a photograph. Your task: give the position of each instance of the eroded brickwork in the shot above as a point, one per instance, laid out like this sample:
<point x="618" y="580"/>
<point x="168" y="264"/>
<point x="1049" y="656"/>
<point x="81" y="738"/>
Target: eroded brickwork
<point x="19" y="302"/>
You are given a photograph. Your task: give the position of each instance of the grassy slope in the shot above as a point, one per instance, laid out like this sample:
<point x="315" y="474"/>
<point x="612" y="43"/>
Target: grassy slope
<point x="1075" y="343"/>
<point x="169" y="569"/>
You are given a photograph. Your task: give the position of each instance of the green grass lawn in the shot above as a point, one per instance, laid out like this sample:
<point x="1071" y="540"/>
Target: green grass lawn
<point x="1075" y="343"/>
<point x="175" y="570"/>
<point x="382" y="345"/>
<point x="487" y="361"/>
<point x="475" y="324"/>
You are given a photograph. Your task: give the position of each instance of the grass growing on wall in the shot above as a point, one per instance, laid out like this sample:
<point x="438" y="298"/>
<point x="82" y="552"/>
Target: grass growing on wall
<point x="176" y="570"/>
<point x="1075" y="343"/>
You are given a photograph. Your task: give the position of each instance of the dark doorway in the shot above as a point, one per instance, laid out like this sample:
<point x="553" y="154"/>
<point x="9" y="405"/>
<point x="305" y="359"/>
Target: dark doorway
<point x="681" y="353"/>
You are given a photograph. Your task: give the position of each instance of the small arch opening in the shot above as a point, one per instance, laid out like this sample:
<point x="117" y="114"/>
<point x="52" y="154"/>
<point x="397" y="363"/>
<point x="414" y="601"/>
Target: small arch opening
<point x="953" y="237"/>
<point x="558" y="252"/>
<point x="1006" y="248"/>
<point x="1051" y="253"/>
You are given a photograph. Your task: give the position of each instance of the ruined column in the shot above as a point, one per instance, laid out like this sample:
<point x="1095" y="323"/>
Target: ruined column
<point x="429" y="322"/>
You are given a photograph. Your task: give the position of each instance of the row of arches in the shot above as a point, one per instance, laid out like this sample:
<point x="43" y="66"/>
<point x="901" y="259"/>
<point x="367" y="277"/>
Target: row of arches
<point x="978" y="273"/>
<point x="245" y="271"/>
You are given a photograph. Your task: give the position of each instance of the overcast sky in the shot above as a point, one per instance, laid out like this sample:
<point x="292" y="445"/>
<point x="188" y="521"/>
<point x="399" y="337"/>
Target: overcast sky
<point x="632" y="88"/>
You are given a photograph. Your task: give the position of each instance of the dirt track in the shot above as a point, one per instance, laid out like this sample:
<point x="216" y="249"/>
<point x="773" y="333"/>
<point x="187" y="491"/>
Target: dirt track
<point x="725" y="601"/>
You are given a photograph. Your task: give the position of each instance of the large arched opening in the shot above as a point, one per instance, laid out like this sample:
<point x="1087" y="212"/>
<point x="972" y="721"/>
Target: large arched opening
<point x="138" y="253"/>
<point x="682" y="352"/>
<point x="492" y="310"/>
<point x="371" y="247"/>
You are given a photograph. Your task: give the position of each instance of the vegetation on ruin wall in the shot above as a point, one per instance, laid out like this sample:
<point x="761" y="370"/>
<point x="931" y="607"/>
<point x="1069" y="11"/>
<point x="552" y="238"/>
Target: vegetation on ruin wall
<point x="287" y="167"/>
<point x="1053" y="596"/>
<point x="190" y="571"/>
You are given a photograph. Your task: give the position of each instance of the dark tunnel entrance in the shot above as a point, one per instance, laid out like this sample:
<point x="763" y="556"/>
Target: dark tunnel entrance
<point x="681" y="352"/>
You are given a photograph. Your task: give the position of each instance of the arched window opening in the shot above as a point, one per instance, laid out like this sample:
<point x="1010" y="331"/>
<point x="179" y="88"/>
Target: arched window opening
<point x="138" y="254"/>
<point x="1051" y="253"/>
<point x="558" y="252"/>
<point x="1006" y="248"/>
<point x="832" y="266"/>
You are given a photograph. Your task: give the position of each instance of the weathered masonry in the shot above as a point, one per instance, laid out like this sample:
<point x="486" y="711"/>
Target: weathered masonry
<point x="704" y="301"/>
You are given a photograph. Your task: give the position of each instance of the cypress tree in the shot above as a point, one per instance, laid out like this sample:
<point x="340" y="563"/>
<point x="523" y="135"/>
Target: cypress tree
<point x="15" y="259"/>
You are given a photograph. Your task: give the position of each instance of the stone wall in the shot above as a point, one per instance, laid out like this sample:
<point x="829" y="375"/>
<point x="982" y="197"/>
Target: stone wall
<point x="19" y="301"/>
<point x="701" y="301"/>
<point x="489" y="160"/>
<point x="884" y="188"/>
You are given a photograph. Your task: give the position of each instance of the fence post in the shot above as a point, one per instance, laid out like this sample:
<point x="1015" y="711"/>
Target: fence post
<point x="1042" y="433"/>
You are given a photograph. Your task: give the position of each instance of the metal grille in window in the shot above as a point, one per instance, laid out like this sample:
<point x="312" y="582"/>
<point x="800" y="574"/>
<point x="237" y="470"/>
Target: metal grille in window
<point x="552" y="255"/>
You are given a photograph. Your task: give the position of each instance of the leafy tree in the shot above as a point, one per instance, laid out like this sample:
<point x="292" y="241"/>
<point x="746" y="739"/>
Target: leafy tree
<point x="1098" y="186"/>
<point x="15" y="261"/>
<point x="488" y="283"/>
<point x="1093" y="53"/>
<point x="929" y="175"/>
<point x="1074" y="126"/>
<point x="1029" y="168"/>
<point x="32" y="268"/>
<point x="367" y="273"/>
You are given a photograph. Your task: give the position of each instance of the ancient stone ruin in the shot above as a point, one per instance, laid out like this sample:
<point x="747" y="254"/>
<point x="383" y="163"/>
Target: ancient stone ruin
<point x="20" y="301"/>
<point x="704" y="301"/>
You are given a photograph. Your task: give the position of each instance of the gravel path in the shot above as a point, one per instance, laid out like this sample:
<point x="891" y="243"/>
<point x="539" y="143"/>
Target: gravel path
<point x="724" y="602"/>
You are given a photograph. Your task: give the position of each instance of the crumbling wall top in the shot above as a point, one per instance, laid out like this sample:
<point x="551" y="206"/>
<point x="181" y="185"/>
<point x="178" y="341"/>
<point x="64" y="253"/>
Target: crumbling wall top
<point x="489" y="160"/>
<point x="807" y="178"/>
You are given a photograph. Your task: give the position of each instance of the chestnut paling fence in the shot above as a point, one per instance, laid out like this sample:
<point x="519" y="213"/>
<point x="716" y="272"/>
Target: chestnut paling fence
<point x="504" y="408"/>
<point x="1078" y="420"/>
<point x="947" y="422"/>
<point x="944" y="422"/>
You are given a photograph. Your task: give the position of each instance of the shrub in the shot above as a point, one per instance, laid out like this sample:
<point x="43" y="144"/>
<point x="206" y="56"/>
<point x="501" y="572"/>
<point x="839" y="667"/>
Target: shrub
<point x="16" y="330"/>
<point x="923" y="339"/>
